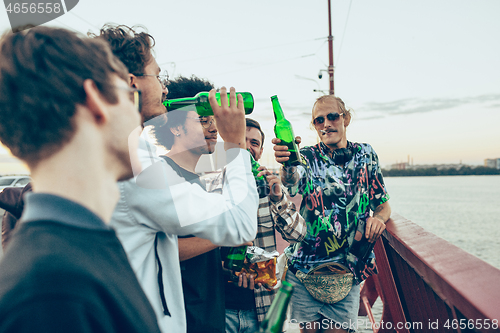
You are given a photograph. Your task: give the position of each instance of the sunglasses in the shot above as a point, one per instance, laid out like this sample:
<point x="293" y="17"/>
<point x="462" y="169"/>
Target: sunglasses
<point x="134" y="96"/>
<point x="334" y="116"/>
<point x="204" y="121"/>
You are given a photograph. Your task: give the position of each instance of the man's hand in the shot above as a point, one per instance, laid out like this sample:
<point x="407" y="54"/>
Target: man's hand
<point x="247" y="281"/>
<point x="374" y="228"/>
<point x="281" y="152"/>
<point x="230" y="119"/>
<point x="276" y="194"/>
<point x="375" y="224"/>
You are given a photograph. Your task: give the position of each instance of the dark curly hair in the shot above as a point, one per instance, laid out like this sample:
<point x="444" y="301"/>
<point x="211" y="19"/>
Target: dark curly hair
<point x="133" y="48"/>
<point x="41" y="81"/>
<point x="179" y="88"/>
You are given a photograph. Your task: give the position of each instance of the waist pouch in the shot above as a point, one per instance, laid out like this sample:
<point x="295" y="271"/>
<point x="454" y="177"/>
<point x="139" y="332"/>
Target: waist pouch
<point x="328" y="283"/>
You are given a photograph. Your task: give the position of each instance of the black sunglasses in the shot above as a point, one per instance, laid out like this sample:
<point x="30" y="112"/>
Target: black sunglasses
<point x="334" y="116"/>
<point x="134" y="96"/>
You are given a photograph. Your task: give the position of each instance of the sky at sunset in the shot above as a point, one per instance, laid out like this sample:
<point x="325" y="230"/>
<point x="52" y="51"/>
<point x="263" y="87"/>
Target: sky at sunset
<point x="423" y="77"/>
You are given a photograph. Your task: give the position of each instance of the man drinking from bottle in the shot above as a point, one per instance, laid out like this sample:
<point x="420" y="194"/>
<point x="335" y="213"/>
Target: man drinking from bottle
<point x="187" y="137"/>
<point x="159" y="204"/>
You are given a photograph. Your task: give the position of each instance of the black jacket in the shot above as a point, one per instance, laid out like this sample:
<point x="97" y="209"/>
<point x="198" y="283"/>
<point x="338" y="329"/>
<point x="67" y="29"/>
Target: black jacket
<point x="11" y="200"/>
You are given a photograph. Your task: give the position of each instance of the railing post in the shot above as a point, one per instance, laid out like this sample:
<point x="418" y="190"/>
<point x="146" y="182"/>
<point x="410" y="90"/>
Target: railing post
<point x="393" y="310"/>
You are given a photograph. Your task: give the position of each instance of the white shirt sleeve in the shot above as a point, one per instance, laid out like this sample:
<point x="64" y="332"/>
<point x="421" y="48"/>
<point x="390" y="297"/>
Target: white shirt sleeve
<point x="163" y="201"/>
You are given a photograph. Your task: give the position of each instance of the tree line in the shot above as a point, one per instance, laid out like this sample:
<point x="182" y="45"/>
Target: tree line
<point x="463" y="171"/>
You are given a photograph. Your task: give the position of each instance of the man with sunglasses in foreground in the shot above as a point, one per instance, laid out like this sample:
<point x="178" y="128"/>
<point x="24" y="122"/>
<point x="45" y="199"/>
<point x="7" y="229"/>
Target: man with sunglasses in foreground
<point x="341" y="184"/>
<point x="67" y="111"/>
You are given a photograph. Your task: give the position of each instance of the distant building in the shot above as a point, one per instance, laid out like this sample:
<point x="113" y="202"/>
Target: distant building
<point x="407" y="166"/>
<point x="398" y="166"/>
<point x="437" y="166"/>
<point x="492" y="163"/>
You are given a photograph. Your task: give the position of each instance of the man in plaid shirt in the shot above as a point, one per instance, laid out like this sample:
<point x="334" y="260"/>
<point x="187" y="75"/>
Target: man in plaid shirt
<point x="247" y="303"/>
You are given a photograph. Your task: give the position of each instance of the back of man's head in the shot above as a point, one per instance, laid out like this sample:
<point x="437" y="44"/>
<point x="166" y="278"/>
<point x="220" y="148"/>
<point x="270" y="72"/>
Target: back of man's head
<point x="133" y="48"/>
<point x="179" y="88"/>
<point x="41" y="82"/>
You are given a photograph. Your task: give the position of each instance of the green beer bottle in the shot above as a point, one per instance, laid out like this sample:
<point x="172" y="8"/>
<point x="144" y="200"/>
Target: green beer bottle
<point x="236" y="258"/>
<point x="200" y="103"/>
<point x="275" y="317"/>
<point x="284" y="132"/>
<point x="260" y="182"/>
<point x="255" y="167"/>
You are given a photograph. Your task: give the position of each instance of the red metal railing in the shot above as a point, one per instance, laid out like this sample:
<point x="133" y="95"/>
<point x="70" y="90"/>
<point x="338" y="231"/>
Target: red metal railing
<point x="429" y="285"/>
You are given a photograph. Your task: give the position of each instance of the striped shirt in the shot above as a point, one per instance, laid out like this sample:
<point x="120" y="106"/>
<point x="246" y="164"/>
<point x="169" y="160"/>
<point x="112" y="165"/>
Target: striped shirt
<point x="284" y="216"/>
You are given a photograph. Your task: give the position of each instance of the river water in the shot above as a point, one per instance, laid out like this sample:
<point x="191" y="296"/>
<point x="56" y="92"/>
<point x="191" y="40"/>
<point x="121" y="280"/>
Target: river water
<point x="464" y="210"/>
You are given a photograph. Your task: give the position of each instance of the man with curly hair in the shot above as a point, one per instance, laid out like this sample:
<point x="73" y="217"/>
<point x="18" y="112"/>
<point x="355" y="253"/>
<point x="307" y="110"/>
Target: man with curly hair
<point x="160" y="204"/>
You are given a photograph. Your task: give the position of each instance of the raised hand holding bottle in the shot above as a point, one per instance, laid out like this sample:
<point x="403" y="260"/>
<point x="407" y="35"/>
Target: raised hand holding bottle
<point x="284" y="131"/>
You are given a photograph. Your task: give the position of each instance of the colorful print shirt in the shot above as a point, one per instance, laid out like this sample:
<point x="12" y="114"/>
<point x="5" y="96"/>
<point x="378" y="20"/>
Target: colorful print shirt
<point x="336" y="201"/>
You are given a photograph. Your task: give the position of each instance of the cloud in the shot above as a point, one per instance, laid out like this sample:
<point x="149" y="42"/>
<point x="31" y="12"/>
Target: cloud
<point x="292" y="112"/>
<point x="371" y="118"/>
<point x="261" y="100"/>
<point x="294" y="109"/>
<point x="414" y="105"/>
<point x="494" y="106"/>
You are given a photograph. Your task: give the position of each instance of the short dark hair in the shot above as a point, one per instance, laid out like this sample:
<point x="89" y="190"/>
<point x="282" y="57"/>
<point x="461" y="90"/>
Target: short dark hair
<point x="41" y="81"/>
<point x="133" y="48"/>
<point x="180" y="87"/>
<point x="255" y="124"/>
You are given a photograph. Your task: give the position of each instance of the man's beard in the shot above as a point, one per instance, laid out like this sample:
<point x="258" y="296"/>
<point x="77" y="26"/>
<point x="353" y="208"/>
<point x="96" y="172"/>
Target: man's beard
<point x="157" y="109"/>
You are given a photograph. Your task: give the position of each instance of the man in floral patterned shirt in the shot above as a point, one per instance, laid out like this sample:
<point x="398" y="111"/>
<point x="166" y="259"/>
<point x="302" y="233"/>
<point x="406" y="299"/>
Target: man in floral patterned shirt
<point x="341" y="185"/>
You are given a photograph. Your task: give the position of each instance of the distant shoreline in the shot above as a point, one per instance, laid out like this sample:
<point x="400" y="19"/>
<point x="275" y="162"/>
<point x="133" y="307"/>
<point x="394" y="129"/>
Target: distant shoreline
<point x="463" y="171"/>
